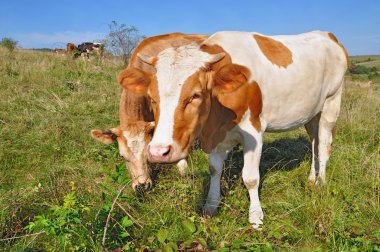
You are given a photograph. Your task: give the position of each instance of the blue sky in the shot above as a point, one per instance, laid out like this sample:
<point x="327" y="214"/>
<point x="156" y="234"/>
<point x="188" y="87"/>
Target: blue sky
<point x="54" y="23"/>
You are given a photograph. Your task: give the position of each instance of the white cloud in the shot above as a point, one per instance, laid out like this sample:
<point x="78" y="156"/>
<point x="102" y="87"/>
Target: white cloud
<point x="57" y="39"/>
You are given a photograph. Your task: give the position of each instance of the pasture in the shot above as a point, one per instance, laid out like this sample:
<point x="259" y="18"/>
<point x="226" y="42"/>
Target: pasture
<point x="57" y="184"/>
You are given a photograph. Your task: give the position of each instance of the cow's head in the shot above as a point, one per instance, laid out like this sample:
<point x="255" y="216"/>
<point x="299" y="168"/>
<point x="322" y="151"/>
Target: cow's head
<point x="133" y="140"/>
<point x="186" y="82"/>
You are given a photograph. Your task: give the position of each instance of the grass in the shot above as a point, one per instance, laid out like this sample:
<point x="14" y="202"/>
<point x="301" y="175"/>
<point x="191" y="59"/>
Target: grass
<point x="48" y="105"/>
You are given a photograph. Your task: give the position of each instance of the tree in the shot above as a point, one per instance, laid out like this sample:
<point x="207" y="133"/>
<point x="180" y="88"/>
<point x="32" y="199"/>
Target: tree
<point x="122" y="39"/>
<point x="9" y="43"/>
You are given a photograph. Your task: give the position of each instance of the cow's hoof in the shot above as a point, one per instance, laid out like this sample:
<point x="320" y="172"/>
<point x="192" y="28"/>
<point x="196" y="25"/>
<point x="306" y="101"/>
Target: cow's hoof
<point x="311" y="182"/>
<point x="182" y="167"/>
<point x="256" y="219"/>
<point x="320" y="181"/>
<point x="311" y="179"/>
<point x="209" y="209"/>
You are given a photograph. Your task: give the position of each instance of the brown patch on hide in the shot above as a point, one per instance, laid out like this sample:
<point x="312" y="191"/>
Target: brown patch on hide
<point x="275" y="51"/>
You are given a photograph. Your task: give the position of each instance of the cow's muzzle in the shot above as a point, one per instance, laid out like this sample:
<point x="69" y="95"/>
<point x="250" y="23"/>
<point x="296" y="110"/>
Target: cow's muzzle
<point x="160" y="153"/>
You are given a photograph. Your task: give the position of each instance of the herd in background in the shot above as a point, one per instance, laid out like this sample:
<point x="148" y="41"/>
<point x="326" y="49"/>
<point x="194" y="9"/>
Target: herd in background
<point x="84" y="50"/>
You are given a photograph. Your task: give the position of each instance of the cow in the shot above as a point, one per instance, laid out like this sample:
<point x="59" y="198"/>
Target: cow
<point x="87" y="47"/>
<point x="136" y="118"/>
<point x="70" y="48"/>
<point x="232" y="88"/>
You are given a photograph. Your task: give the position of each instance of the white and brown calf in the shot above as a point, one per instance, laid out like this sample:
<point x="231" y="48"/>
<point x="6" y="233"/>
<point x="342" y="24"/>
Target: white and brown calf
<point x="234" y="87"/>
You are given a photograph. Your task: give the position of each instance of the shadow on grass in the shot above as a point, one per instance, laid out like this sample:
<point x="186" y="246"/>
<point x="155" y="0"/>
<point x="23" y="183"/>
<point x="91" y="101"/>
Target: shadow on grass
<point x="281" y="154"/>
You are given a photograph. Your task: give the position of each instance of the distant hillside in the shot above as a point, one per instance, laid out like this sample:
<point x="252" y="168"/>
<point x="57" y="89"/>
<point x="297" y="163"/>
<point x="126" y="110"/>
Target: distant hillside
<point x="42" y="49"/>
<point x="366" y="60"/>
<point x="365" y="68"/>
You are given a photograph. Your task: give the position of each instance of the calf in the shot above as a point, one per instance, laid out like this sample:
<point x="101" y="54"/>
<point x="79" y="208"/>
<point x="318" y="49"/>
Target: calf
<point x="234" y="87"/>
<point x="132" y="135"/>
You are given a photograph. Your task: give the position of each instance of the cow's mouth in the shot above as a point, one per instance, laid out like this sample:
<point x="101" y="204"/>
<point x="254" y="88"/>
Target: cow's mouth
<point x="167" y="155"/>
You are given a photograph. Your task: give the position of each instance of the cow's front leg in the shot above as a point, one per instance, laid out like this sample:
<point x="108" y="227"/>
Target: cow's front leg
<point x="216" y="167"/>
<point x="251" y="174"/>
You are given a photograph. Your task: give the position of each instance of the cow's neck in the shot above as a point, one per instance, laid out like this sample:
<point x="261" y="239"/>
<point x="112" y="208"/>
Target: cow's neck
<point x="133" y="108"/>
<point x="219" y="121"/>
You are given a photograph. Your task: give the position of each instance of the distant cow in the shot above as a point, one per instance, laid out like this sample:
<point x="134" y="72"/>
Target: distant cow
<point x="70" y="48"/>
<point x="234" y="87"/>
<point x="60" y="52"/>
<point x="87" y="47"/>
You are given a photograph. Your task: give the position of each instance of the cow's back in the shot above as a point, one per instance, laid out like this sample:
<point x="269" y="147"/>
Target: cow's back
<point x="296" y="73"/>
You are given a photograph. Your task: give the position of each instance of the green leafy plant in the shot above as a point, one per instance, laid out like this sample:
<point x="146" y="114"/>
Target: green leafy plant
<point x="65" y="221"/>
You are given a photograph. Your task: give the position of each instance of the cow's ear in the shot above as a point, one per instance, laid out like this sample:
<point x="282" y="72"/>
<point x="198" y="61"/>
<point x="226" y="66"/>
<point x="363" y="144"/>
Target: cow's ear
<point x="105" y="136"/>
<point x="134" y="79"/>
<point x="150" y="60"/>
<point x="229" y="78"/>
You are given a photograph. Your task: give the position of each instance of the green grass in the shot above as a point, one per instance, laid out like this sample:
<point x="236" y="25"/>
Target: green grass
<point x="49" y="104"/>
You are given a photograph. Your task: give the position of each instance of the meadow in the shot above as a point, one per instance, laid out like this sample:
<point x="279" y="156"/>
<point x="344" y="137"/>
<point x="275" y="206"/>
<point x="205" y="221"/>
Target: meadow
<point x="58" y="185"/>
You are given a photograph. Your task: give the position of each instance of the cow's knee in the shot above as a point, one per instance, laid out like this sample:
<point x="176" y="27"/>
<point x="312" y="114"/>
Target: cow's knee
<point x="250" y="183"/>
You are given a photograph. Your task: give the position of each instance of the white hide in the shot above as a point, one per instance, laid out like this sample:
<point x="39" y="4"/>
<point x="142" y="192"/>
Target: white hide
<point x="292" y="95"/>
<point x="174" y="66"/>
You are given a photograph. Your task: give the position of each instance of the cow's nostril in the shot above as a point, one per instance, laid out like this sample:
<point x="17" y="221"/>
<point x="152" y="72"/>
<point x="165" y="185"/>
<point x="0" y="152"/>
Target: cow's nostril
<point x="140" y="188"/>
<point x="168" y="151"/>
<point x="159" y="150"/>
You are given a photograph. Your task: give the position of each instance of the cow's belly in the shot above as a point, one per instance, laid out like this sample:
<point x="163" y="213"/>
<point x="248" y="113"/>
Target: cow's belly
<point x="288" y="110"/>
<point x="284" y="124"/>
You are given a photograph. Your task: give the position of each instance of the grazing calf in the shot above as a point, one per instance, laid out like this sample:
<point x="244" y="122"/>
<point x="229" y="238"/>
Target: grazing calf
<point x="234" y="87"/>
<point x="136" y="126"/>
<point x="132" y="135"/>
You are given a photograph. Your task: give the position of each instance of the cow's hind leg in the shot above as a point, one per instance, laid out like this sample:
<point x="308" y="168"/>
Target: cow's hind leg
<point x="327" y="122"/>
<point x="312" y="129"/>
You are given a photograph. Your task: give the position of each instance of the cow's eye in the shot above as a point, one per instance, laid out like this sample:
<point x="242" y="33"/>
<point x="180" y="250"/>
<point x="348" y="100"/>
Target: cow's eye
<point x="124" y="157"/>
<point x="195" y="96"/>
